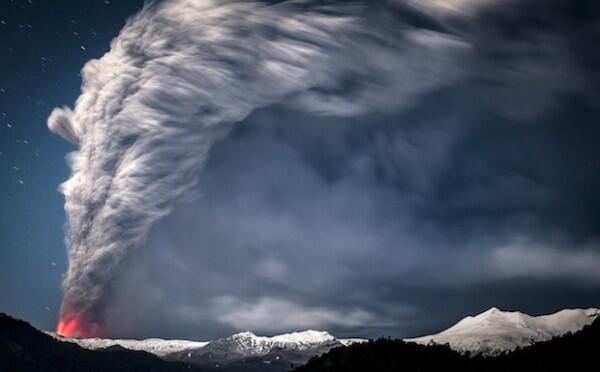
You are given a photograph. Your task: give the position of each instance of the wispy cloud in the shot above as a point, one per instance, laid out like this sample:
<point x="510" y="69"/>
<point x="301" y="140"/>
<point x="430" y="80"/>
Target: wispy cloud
<point x="270" y="314"/>
<point x="529" y="259"/>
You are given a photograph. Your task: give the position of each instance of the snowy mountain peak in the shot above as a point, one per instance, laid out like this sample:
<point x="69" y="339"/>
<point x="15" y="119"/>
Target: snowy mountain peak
<point x="306" y="337"/>
<point x="251" y="344"/>
<point x="295" y="339"/>
<point x="492" y="318"/>
<point x="495" y="331"/>
<point x="491" y="311"/>
<point x="244" y="335"/>
<point x="156" y="346"/>
<point x="303" y="337"/>
<point x="495" y="314"/>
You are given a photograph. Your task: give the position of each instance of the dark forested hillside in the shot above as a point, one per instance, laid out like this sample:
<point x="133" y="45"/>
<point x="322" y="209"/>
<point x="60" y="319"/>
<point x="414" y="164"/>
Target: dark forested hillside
<point x="572" y="352"/>
<point x="24" y="348"/>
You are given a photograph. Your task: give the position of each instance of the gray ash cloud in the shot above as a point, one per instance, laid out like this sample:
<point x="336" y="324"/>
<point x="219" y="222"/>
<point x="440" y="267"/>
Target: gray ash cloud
<point x="337" y="165"/>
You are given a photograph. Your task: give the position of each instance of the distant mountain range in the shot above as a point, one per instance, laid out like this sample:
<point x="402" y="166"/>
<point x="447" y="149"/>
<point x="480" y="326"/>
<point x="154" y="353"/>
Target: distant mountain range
<point x="490" y="333"/>
<point x="242" y="351"/>
<point x="494" y="331"/>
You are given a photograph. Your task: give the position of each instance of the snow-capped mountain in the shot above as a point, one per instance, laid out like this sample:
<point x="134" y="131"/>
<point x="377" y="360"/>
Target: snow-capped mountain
<point x="292" y="348"/>
<point x="156" y="346"/>
<point x="495" y="331"/>
<point x="246" y="343"/>
<point x="249" y="344"/>
<point x="272" y="353"/>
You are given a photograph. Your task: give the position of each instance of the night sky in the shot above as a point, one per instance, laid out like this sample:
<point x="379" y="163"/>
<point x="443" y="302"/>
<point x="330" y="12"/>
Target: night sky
<point x="299" y="184"/>
<point x="44" y="45"/>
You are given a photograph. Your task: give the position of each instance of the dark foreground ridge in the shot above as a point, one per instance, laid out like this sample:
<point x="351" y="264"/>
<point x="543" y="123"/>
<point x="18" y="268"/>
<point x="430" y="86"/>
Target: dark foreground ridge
<point x="571" y="352"/>
<point x="23" y="348"/>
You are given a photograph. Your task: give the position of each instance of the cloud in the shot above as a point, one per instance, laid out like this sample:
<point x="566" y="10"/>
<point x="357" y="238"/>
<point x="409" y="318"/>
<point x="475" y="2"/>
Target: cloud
<point x="59" y="122"/>
<point x="449" y="8"/>
<point x="180" y="73"/>
<point x="528" y="72"/>
<point x="347" y="160"/>
<point x="531" y="260"/>
<point x="365" y="213"/>
<point x="273" y="314"/>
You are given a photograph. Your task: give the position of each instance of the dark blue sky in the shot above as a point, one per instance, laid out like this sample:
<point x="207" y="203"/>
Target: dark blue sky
<point x="43" y="46"/>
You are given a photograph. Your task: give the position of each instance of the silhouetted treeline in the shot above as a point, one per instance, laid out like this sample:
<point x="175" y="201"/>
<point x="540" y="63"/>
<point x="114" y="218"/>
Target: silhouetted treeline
<point x="572" y="352"/>
<point x="24" y="348"/>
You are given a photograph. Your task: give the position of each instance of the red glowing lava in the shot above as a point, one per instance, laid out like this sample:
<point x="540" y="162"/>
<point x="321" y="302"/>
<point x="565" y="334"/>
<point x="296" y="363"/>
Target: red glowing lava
<point x="76" y="325"/>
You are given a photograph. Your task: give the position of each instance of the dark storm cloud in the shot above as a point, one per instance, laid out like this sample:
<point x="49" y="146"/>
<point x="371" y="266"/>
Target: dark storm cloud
<point x="180" y="73"/>
<point x="327" y="217"/>
<point x="460" y="161"/>
<point x="533" y="54"/>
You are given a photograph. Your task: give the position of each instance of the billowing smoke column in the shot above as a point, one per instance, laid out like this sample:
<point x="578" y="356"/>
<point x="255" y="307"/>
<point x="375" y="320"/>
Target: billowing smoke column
<point x="181" y="72"/>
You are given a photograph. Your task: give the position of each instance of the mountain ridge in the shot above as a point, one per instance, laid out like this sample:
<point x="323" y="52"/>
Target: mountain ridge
<point x="491" y="332"/>
<point x="236" y="352"/>
<point x="298" y="340"/>
<point x="495" y="331"/>
<point x="570" y="352"/>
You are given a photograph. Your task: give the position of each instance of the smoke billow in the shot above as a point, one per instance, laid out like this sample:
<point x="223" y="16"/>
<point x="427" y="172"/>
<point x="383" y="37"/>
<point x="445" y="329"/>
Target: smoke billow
<point x="181" y="72"/>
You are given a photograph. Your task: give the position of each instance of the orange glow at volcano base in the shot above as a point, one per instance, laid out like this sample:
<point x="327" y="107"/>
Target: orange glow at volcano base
<point x="76" y="326"/>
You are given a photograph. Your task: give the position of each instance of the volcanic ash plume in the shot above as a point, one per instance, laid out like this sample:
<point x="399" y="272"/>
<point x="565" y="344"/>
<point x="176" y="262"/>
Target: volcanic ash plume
<point x="180" y="73"/>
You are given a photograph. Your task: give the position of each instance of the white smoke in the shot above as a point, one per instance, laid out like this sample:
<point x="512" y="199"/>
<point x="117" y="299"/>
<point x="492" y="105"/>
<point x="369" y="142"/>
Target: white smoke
<point x="182" y="71"/>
